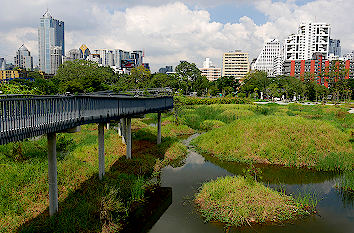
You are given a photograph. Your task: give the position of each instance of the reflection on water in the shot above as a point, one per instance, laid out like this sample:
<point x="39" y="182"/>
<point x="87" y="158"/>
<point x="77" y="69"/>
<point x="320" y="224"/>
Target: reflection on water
<point x="335" y="209"/>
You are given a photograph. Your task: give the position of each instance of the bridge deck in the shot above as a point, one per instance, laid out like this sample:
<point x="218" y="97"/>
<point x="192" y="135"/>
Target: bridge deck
<point x="24" y="116"/>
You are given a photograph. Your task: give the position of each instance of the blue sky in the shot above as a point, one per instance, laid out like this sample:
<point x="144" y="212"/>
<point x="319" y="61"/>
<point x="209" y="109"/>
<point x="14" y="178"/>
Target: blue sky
<point x="231" y="13"/>
<point x="169" y="30"/>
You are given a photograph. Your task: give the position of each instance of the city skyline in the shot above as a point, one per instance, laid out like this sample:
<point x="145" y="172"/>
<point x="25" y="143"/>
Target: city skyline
<point x="203" y="29"/>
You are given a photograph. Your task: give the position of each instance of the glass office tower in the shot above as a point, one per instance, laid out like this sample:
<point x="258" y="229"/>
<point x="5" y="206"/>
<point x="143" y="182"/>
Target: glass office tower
<point x="50" y="35"/>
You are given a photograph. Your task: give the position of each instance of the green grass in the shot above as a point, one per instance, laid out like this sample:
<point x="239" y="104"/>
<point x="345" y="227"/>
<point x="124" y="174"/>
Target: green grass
<point x="235" y="201"/>
<point x="284" y="140"/>
<point x="85" y="204"/>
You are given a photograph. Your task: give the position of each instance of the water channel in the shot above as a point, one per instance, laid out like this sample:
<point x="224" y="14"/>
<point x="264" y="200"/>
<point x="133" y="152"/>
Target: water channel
<point x="335" y="209"/>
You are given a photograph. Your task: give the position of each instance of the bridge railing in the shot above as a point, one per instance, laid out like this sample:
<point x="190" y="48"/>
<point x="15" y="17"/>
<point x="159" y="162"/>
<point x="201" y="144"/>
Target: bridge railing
<point x="29" y="116"/>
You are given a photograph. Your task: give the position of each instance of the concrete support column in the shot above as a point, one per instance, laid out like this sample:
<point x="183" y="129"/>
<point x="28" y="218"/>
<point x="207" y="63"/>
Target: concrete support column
<point x="158" y="128"/>
<point x="128" y="138"/>
<point x="123" y="128"/>
<point x="52" y="173"/>
<point x="100" y="150"/>
<point x="119" y="129"/>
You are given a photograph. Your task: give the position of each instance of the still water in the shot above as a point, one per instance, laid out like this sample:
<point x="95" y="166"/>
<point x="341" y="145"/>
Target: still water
<point x="335" y="209"/>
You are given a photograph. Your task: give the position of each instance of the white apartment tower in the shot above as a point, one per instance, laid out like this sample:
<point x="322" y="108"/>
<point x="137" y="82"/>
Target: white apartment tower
<point x="235" y="64"/>
<point x="311" y="38"/>
<point x="265" y="61"/>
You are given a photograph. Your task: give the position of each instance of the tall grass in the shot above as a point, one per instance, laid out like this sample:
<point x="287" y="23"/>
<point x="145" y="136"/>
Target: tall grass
<point x="284" y="140"/>
<point x="346" y="182"/>
<point x="236" y="201"/>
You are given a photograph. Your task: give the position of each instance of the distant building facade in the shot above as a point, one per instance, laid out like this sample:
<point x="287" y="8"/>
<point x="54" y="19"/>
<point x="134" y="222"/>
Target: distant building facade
<point x="84" y="52"/>
<point x="23" y="58"/>
<point x="50" y="35"/>
<point x="56" y="58"/>
<point x="165" y="70"/>
<point x="8" y="75"/>
<point x="119" y="60"/>
<point x="2" y="63"/>
<point x="317" y="66"/>
<point x="266" y="59"/>
<point x="210" y="71"/>
<point x="349" y="56"/>
<point x="235" y="64"/>
<point x="335" y="47"/>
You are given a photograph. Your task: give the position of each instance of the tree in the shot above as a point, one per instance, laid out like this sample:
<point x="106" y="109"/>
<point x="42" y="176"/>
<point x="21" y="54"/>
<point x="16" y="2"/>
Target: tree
<point x="141" y="76"/>
<point x="257" y="79"/>
<point x="163" y="80"/>
<point x="187" y="73"/>
<point x="273" y="90"/>
<point x="227" y="85"/>
<point x="81" y="76"/>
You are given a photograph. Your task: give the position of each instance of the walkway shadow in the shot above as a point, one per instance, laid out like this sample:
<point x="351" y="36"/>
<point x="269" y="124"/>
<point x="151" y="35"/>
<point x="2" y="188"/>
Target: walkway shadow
<point x="80" y="211"/>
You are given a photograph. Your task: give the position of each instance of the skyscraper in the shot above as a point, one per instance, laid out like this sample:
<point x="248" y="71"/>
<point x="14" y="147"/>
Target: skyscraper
<point x="23" y="58"/>
<point x="50" y="35"/>
<point x="265" y="60"/>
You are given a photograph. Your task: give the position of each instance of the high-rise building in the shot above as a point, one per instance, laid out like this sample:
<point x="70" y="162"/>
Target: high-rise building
<point x="335" y="48"/>
<point x="235" y="64"/>
<point x="210" y="71"/>
<point x="50" y="34"/>
<point x="56" y="58"/>
<point x="265" y="61"/>
<point x="23" y="58"/>
<point x="138" y="57"/>
<point x="278" y="66"/>
<point x="74" y="54"/>
<point x="106" y="56"/>
<point x="311" y="38"/>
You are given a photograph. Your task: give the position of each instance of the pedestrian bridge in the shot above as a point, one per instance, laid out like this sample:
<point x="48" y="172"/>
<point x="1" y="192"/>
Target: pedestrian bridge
<point x="27" y="116"/>
<point x="24" y="116"/>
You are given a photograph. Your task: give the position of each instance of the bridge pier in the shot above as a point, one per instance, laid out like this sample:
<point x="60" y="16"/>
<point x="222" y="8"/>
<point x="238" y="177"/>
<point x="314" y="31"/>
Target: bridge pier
<point x="159" y="128"/>
<point x="101" y="150"/>
<point x="52" y="173"/>
<point x="128" y="138"/>
<point x="123" y="126"/>
<point x="119" y="128"/>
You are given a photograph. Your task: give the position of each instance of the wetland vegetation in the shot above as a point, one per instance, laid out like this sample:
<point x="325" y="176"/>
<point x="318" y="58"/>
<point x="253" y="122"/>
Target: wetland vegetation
<point x="318" y="138"/>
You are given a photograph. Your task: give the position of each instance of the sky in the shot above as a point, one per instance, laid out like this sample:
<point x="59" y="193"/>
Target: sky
<point x="170" y="31"/>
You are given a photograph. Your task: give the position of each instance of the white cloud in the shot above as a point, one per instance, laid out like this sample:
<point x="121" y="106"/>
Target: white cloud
<point x="169" y="31"/>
